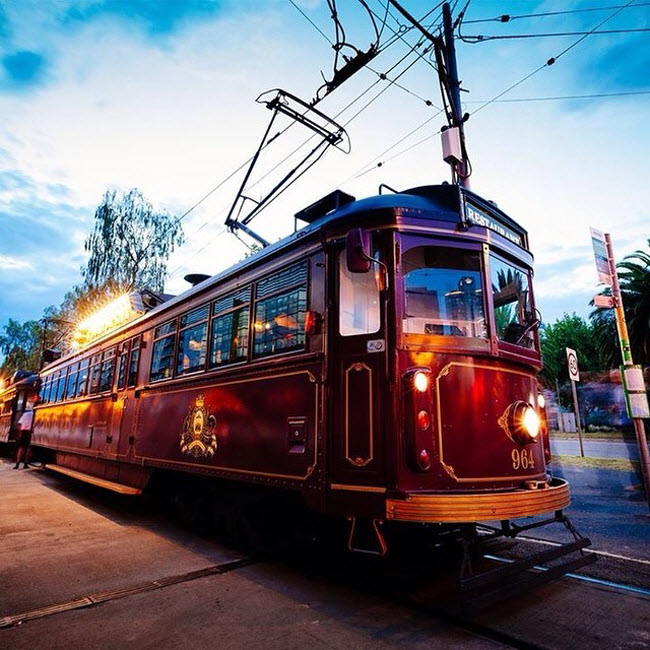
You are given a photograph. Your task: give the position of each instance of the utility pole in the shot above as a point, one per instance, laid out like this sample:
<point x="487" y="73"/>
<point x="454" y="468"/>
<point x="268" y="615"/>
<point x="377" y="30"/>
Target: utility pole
<point x="453" y="137"/>
<point x="460" y="168"/>
<point x="626" y="354"/>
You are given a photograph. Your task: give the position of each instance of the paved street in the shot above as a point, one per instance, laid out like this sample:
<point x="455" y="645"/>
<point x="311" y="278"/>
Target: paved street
<point x="596" y="448"/>
<point x="606" y="506"/>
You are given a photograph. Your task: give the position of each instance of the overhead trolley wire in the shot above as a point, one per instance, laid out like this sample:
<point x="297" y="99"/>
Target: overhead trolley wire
<point x="552" y="60"/>
<point x="566" y="97"/>
<point x="506" y="18"/>
<point x="391" y="41"/>
<point x="494" y="99"/>
<point x="481" y="38"/>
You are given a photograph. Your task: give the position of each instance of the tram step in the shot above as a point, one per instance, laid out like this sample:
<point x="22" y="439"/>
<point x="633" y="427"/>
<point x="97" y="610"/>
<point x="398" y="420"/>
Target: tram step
<point x="94" y="480"/>
<point x="492" y="586"/>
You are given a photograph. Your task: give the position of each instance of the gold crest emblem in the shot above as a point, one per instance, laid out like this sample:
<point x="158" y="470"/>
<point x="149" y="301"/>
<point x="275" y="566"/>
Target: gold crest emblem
<point x="198" y="438"/>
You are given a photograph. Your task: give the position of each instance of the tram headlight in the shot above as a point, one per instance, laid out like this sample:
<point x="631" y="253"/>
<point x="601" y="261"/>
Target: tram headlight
<point x="421" y="381"/>
<point x="530" y="422"/>
<point x="522" y="422"/>
<point x="541" y="401"/>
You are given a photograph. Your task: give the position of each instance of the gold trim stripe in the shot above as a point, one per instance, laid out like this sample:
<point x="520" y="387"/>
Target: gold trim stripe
<point x="357" y="488"/>
<point x="100" y="482"/>
<point x="479" y="507"/>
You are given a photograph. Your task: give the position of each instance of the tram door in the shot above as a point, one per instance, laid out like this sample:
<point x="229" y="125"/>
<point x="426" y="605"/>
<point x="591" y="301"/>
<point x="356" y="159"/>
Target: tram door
<point x="357" y="368"/>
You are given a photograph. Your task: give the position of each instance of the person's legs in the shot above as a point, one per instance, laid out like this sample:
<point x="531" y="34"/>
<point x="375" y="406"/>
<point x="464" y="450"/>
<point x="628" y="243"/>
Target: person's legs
<point x="20" y="454"/>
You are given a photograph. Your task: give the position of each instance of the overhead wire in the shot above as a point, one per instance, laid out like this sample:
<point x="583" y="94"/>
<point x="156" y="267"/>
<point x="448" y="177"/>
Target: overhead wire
<point x="506" y="18"/>
<point x="482" y="38"/>
<point x="394" y="39"/>
<point x="494" y="99"/>
<point x="566" y="97"/>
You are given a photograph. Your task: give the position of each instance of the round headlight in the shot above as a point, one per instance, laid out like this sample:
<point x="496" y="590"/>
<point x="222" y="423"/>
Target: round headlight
<point x="421" y="381"/>
<point x="521" y="422"/>
<point x="530" y="422"/>
<point x="541" y="402"/>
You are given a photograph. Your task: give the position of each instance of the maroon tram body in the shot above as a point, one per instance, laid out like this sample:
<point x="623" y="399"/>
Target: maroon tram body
<point x="401" y="392"/>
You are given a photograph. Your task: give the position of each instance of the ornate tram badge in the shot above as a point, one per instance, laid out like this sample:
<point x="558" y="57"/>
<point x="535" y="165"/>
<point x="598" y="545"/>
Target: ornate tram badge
<point x="198" y="439"/>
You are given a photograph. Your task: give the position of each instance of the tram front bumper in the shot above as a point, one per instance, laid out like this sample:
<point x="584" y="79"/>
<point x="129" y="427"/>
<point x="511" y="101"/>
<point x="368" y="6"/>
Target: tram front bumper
<point x="481" y="506"/>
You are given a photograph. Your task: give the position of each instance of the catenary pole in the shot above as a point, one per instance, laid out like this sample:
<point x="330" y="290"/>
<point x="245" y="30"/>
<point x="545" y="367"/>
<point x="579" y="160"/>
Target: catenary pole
<point x="626" y="354"/>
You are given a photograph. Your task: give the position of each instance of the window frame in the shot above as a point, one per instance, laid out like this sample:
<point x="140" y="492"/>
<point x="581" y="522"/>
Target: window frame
<point x="205" y="321"/>
<point x="256" y="300"/>
<point x="155" y="339"/>
<point x="222" y="314"/>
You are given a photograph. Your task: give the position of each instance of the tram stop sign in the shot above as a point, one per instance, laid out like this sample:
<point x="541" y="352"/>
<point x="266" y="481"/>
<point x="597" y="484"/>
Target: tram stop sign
<point x="572" y="362"/>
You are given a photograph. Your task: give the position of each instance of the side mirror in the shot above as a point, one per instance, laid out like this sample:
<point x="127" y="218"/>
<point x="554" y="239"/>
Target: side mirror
<point x="357" y="251"/>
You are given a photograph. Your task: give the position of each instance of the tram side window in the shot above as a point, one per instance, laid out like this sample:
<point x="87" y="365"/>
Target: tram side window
<point x="280" y="318"/>
<point x="108" y="367"/>
<point x="82" y="379"/>
<point x="192" y="341"/>
<point x="95" y="369"/>
<point x="359" y="305"/>
<point x="60" y="387"/>
<point x="133" y="362"/>
<point x="229" y="330"/>
<point x="162" y="357"/>
<point x="121" y="369"/>
<point x="72" y="381"/>
<point x="513" y="311"/>
<point x="45" y="389"/>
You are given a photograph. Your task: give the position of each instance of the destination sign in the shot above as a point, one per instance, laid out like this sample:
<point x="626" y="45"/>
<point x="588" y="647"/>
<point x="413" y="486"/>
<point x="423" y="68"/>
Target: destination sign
<point x="479" y="218"/>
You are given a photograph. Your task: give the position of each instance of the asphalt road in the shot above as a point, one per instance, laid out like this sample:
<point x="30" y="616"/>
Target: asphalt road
<point x="607" y="506"/>
<point x="596" y="448"/>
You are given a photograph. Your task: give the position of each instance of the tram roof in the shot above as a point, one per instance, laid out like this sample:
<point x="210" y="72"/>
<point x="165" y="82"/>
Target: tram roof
<point x="439" y="202"/>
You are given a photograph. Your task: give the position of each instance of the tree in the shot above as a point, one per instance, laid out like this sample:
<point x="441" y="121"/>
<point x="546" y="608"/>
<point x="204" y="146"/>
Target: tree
<point x="634" y="279"/>
<point x="567" y="332"/>
<point x="21" y="346"/>
<point x="130" y="243"/>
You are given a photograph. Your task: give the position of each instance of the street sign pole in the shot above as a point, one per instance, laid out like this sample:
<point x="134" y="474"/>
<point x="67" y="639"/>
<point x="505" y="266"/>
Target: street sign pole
<point x="577" y="412"/>
<point x="574" y="376"/>
<point x="626" y="353"/>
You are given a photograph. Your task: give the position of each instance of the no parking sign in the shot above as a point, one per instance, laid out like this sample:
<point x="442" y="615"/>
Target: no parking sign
<point x="572" y="362"/>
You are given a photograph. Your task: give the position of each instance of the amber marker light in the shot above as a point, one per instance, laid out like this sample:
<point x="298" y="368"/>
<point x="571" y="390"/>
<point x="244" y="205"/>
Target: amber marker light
<point x="421" y="381"/>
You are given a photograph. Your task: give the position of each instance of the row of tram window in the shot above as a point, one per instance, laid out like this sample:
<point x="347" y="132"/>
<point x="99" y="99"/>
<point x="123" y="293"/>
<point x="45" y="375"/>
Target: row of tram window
<point x="94" y="374"/>
<point x="255" y="321"/>
<point x="213" y="335"/>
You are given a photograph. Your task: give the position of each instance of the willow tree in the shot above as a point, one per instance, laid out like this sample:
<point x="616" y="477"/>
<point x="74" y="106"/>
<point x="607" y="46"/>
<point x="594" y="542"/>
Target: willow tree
<point x="130" y="243"/>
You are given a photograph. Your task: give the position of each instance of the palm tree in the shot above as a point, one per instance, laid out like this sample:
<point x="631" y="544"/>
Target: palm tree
<point x="634" y="279"/>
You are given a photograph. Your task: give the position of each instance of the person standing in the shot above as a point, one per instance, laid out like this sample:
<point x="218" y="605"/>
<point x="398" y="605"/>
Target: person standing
<point x="23" y="451"/>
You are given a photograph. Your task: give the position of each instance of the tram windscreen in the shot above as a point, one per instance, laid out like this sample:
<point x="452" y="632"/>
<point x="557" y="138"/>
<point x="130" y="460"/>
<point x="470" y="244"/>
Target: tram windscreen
<point x="513" y="311"/>
<point x="443" y="292"/>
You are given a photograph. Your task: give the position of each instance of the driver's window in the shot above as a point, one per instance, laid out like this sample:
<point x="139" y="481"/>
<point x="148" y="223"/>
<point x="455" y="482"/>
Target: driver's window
<point x="513" y="311"/>
<point x="359" y="304"/>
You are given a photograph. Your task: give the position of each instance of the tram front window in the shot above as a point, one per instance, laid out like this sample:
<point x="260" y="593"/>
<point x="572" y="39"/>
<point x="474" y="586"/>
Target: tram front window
<point x="443" y="292"/>
<point x="513" y="312"/>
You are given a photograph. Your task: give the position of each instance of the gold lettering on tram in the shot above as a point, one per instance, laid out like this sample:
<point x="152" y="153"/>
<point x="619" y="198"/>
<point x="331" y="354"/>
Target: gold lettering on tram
<point x="523" y="459"/>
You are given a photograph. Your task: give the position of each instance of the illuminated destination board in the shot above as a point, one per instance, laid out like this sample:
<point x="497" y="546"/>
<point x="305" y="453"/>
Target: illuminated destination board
<point x="480" y="218"/>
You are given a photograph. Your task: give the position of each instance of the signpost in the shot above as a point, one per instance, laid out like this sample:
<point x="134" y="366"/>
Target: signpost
<point x="631" y="375"/>
<point x="574" y="376"/>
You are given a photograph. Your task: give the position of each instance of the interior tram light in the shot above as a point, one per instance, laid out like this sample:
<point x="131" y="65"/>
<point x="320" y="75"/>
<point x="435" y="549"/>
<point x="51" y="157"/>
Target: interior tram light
<point x="421" y="381"/>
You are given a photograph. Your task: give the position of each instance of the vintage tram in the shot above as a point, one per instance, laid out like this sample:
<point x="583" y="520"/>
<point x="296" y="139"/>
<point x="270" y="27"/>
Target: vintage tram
<point x="18" y="395"/>
<point x="380" y="363"/>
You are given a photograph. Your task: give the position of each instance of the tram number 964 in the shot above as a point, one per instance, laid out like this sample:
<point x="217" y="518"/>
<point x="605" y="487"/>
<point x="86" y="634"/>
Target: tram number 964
<point x="523" y="458"/>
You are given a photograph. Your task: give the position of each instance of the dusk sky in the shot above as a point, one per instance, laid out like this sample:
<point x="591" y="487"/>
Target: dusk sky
<point x="160" y="95"/>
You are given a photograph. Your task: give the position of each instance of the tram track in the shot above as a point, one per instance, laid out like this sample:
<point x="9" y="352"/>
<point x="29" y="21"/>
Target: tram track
<point x="114" y="594"/>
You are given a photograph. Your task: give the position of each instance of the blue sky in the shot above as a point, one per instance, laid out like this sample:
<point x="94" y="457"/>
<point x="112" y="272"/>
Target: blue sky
<point x="159" y="95"/>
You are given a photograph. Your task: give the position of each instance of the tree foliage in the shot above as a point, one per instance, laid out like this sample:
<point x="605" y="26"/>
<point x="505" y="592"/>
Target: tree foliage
<point x="130" y="243"/>
<point x="634" y="280"/>
<point x="20" y="345"/>
<point x="570" y="331"/>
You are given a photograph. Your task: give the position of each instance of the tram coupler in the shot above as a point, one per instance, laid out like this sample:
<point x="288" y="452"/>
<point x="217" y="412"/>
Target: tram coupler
<point x="478" y="590"/>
